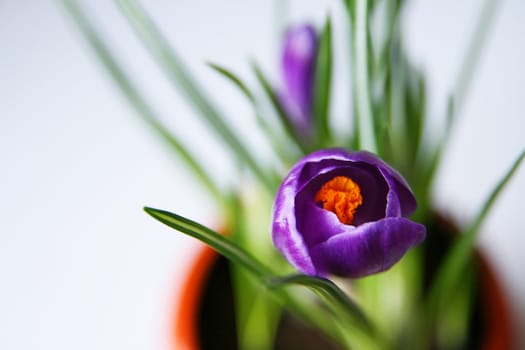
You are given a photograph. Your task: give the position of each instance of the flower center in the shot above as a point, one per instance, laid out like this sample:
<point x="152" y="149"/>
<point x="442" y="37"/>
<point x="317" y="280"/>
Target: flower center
<point x="341" y="196"/>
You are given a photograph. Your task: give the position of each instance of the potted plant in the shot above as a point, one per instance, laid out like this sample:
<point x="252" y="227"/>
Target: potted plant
<point x="490" y="327"/>
<point x="338" y="232"/>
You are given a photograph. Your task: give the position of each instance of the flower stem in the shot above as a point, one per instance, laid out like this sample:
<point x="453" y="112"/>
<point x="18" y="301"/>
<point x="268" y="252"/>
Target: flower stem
<point x="361" y="77"/>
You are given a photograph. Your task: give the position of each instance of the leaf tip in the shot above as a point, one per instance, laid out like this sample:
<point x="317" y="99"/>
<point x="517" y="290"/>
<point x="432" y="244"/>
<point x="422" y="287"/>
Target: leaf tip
<point x="149" y="210"/>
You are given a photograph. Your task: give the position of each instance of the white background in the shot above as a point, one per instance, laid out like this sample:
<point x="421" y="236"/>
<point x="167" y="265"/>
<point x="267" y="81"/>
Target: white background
<point x="82" y="267"/>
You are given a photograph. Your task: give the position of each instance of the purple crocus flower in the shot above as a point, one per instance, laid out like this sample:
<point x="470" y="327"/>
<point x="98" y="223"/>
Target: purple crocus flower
<point x="298" y="69"/>
<point x="344" y="213"/>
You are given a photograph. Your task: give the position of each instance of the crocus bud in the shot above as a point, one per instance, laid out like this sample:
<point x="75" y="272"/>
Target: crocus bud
<point x="298" y="70"/>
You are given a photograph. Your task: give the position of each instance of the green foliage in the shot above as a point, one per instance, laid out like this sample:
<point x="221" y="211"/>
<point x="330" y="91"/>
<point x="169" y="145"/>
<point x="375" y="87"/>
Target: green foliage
<point x="338" y="299"/>
<point x="389" y="95"/>
<point x="235" y="80"/>
<point x="135" y="98"/>
<point x="180" y="76"/>
<point x="455" y="263"/>
<point x="334" y="298"/>
<point x="300" y="142"/>
<point x="322" y="86"/>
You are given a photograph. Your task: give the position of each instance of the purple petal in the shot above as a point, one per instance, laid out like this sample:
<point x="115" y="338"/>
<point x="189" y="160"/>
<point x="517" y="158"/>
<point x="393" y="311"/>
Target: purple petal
<point x="406" y="197"/>
<point x="393" y="205"/>
<point x="319" y="161"/>
<point x="298" y="69"/>
<point x="316" y="224"/>
<point x="370" y="248"/>
<point x="315" y="241"/>
<point x="284" y="233"/>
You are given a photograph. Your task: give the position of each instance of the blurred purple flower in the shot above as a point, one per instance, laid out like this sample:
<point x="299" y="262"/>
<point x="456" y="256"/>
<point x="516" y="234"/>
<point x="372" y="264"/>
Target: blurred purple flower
<point x="298" y="69"/>
<point x="343" y="213"/>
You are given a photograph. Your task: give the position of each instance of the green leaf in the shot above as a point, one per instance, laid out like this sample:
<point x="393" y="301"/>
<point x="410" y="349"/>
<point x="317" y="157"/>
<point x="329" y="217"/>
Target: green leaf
<point x="327" y="289"/>
<point x="457" y="98"/>
<point x="399" y="140"/>
<point x="458" y="256"/>
<point x="238" y="256"/>
<point x="134" y="97"/>
<point x="274" y="136"/>
<point x="180" y="77"/>
<point x="217" y="241"/>
<point x="473" y="53"/>
<point x="415" y="109"/>
<point x="285" y="120"/>
<point x="456" y="320"/>
<point x="257" y="312"/>
<point x="234" y="79"/>
<point x="467" y="69"/>
<point x="463" y="248"/>
<point x="323" y="81"/>
<point x="350" y="8"/>
<point x="361" y="77"/>
<point x="427" y="164"/>
<point x="391" y="20"/>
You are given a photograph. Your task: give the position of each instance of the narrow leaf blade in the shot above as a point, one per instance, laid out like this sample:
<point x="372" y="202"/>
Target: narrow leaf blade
<point x="327" y="289"/>
<point x="215" y="240"/>
<point x="285" y="120"/>
<point x="361" y="77"/>
<point x="240" y="257"/>
<point x="234" y="79"/>
<point x="133" y="95"/>
<point x="474" y="51"/>
<point x="268" y="128"/>
<point x="181" y="78"/>
<point x="323" y="81"/>
<point x="457" y="259"/>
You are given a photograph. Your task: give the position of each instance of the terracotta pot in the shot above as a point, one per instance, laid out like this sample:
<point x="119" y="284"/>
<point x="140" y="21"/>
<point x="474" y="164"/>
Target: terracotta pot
<point x="185" y="334"/>
<point x="498" y="331"/>
<point x="492" y="328"/>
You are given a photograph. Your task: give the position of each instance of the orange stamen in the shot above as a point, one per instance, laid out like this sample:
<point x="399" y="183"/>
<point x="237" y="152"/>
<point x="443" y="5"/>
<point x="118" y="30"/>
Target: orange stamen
<point x="341" y="196"/>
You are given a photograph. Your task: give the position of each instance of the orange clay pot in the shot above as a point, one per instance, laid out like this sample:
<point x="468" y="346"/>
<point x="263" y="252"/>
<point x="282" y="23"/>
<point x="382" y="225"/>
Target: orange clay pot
<point x="498" y="331"/>
<point x="495" y="332"/>
<point x="185" y="334"/>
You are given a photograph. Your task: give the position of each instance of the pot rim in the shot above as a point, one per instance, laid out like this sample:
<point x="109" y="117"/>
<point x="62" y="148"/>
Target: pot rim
<point x="184" y="333"/>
